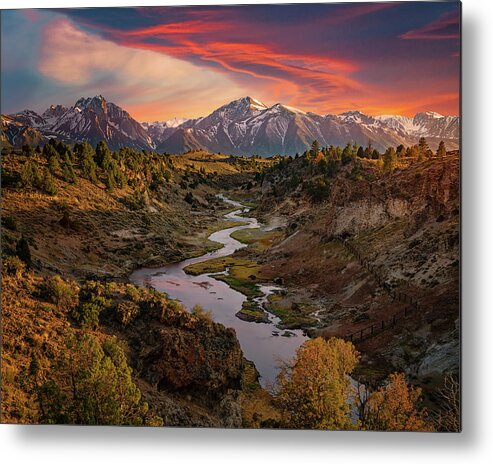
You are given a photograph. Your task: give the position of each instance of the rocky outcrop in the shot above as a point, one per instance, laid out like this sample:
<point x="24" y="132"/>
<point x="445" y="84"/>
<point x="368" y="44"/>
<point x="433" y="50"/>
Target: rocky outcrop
<point x="192" y="365"/>
<point x="429" y="193"/>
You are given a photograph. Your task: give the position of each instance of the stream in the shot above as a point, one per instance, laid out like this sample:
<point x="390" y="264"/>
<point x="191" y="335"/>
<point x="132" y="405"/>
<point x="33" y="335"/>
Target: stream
<point x="262" y="343"/>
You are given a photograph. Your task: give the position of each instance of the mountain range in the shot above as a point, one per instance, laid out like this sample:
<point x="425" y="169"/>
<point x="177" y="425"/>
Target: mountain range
<point x="242" y="127"/>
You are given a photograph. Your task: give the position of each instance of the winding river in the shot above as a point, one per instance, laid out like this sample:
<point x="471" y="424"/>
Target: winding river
<point x="262" y="343"/>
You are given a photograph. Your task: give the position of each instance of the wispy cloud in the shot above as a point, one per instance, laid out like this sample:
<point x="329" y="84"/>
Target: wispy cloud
<point x="170" y="61"/>
<point x="147" y="82"/>
<point x="445" y="27"/>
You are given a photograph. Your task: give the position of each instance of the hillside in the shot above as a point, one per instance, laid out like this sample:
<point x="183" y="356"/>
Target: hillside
<point x="345" y="240"/>
<point x="66" y="255"/>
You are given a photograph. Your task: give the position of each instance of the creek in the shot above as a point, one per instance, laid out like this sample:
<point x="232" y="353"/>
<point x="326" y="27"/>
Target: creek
<point x="261" y="342"/>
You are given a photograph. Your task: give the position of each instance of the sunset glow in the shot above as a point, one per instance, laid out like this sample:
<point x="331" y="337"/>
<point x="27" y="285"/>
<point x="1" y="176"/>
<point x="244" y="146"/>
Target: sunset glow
<point x="164" y="62"/>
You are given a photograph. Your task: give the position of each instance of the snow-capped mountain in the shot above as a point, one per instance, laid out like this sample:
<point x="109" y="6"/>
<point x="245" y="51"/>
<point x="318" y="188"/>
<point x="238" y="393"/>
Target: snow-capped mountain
<point x="17" y="133"/>
<point x="91" y="120"/>
<point x="242" y="127"/>
<point x="161" y="130"/>
<point x="247" y="126"/>
<point x="428" y="124"/>
<point x="94" y="119"/>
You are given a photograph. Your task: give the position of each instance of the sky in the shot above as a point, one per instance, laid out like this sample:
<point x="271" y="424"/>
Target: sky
<point x="165" y="62"/>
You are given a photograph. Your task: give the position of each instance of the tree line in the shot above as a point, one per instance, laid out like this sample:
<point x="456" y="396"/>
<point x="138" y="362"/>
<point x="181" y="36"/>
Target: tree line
<point x="315" y="168"/>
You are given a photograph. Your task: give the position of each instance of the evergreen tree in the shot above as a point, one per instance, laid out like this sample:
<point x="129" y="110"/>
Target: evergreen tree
<point x="54" y="164"/>
<point x="347" y="154"/>
<point x="314" y="149"/>
<point x="23" y="251"/>
<point x="103" y="153"/>
<point x="27" y="150"/>
<point x="49" y="151"/>
<point x="424" y="149"/>
<point x="401" y="151"/>
<point x="389" y="160"/>
<point x="30" y="176"/>
<point x="89" y="169"/>
<point x="68" y="172"/>
<point x="48" y="183"/>
<point x="110" y="182"/>
<point x="441" y="151"/>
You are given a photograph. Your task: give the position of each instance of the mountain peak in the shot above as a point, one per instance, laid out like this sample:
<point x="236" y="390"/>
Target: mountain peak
<point x="247" y="103"/>
<point x="96" y="102"/>
<point x="253" y="102"/>
<point x="290" y="109"/>
<point x="430" y="114"/>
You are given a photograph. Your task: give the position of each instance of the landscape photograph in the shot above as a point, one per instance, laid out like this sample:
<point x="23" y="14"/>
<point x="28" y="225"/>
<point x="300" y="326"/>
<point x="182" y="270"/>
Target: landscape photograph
<point x="232" y="216"/>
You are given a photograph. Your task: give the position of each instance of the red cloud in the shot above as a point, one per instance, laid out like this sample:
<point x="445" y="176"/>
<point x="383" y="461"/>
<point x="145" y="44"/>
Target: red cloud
<point x="292" y="61"/>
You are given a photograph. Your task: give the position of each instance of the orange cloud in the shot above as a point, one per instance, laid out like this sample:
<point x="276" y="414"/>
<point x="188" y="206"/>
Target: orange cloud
<point x="149" y="84"/>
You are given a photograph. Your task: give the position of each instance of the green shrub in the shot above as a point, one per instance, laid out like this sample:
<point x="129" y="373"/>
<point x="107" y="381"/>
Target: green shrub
<point x="317" y="189"/>
<point x="10" y="222"/>
<point x="63" y="293"/>
<point x="126" y="311"/>
<point x="202" y="313"/>
<point x="133" y="293"/>
<point x="91" y="383"/>
<point x="87" y="315"/>
<point x="13" y="265"/>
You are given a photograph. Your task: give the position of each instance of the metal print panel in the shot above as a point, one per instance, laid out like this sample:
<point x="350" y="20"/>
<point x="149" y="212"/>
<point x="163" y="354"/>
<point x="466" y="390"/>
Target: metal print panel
<point x="236" y="216"/>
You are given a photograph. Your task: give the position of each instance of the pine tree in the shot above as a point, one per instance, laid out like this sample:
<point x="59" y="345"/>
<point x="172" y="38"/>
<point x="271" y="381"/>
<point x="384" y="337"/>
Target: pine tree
<point x="103" y="154"/>
<point x="424" y="149"/>
<point x="314" y="149"/>
<point x="68" y="172"/>
<point x="347" y="154"/>
<point x="441" y="151"/>
<point x="110" y="182"/>
<point x="48" y="183"/>
<point x="389" y="160"/>
<point x="54" y="164"/>
<point x="401" y="151"/>
<point x="23" y="251"/>
<point x="30" y="176"/>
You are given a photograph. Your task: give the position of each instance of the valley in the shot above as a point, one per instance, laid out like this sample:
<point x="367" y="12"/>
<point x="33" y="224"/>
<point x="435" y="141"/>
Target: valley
<point x="228" y="265"/>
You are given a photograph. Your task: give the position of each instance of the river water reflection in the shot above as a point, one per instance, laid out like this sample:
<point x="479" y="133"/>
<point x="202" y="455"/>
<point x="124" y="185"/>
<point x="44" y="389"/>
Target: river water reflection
<point x="261" y="343"/>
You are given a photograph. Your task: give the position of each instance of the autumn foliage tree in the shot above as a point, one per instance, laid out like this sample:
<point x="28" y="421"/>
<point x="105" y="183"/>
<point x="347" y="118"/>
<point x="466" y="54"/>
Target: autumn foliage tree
<point x="313" y="392"/>
<point x="394" y="407"/>
<point x="92" y="384"/>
